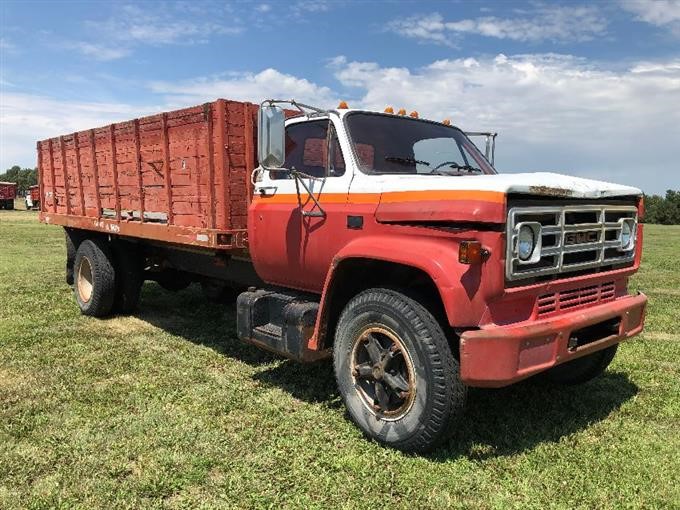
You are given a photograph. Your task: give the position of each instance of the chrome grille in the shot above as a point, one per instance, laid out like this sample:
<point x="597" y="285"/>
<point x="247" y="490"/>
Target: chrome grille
<point x="573" y="299"/>
<point x="572" y="238"/>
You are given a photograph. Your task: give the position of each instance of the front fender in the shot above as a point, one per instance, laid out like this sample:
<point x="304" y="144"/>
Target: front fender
<point x="464" y="289"/>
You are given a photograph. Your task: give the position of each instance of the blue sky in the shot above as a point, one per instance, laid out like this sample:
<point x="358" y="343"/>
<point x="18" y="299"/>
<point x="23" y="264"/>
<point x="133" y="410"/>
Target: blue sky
<point x="586" y="88"/>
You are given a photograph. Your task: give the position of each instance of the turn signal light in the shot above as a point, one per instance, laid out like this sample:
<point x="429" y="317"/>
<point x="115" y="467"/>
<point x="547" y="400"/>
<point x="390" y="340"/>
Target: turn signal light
<point x="401" y="111"/>
<point x="471" y="252"/>
<point x="389" y="109"/>
<point x="414" y="114"/>
<point x="343" y="105"/>
<point x="641" y="208"/>
<point x="446" y="122"/>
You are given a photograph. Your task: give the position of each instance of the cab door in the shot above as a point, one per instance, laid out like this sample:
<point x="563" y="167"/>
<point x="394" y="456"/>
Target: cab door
<point x="296" y="225"/>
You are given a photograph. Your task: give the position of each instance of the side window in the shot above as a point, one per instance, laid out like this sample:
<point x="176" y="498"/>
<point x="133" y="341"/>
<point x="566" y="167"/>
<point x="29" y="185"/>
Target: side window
<point x="305" y="144"/>
<point x="308" y="147"/>
<point x="336" y="163"/>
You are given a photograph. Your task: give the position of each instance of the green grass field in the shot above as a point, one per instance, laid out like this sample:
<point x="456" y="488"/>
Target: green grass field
<point x="168" y="409"/>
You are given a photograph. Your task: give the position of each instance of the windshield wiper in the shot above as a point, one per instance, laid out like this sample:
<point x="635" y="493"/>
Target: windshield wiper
<point x="455" y="166"/>
<point x="406" y="161"/>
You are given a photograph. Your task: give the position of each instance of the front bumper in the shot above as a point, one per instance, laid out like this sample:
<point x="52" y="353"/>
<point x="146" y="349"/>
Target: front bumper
<point x="501" y="355"/>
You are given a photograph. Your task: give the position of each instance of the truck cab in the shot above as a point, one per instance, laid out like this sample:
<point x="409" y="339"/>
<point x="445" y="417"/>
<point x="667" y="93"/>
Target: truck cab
<point x="523" y="273"/>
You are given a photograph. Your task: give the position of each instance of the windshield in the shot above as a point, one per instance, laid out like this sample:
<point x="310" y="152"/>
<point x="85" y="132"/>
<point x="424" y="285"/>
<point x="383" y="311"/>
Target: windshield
<point x="390" y="144"/>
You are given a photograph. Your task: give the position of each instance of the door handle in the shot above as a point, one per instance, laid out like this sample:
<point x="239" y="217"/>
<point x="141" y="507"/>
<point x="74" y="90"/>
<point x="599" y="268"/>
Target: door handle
<point x="266" y="190"/>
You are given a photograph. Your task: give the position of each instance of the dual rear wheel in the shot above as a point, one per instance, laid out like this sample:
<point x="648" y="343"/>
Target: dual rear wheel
<point x="106" y="279"/>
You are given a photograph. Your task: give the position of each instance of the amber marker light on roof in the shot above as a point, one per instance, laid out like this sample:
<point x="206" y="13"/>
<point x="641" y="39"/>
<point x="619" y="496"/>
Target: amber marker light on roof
<point x="401" y="111"/>
<point x="446" y="122"/>
<point x="389" y="109"/>
<point x="343" y="105"/>
<point x="414" y="114"/>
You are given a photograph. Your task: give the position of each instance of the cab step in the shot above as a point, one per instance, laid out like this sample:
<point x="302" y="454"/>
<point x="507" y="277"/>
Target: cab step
<point x="279" y="322"/>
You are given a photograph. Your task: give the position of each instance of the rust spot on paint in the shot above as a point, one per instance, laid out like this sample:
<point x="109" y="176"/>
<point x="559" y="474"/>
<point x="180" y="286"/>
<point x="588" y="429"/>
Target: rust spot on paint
<point x="553" y="192"/>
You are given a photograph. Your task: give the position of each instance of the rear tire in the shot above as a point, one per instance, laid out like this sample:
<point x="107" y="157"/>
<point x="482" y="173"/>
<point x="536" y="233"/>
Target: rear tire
<point x="422" y="396"/>
<point x="129" y="277"/>
<point x="95" y="278"/>
<point x="72" y="242"/>
<point x="583" y="369"/>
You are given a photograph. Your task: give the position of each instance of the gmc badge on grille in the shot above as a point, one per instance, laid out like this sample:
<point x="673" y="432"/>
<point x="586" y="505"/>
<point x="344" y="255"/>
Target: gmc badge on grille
<point x="580" y="237"/>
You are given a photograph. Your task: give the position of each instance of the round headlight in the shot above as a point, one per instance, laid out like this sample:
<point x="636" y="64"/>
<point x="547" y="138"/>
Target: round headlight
<point x="626" y="235"/>
<point x="525" y="242"/>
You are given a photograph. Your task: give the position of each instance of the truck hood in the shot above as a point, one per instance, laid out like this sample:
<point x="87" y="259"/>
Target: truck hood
<point x="480" y="198"/>
<point x="539" y="183"/>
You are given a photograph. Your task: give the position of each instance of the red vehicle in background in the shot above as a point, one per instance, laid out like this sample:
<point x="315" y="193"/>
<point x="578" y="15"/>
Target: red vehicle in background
<point x="8" y="192"/>
<point x="32" y="198"/>
<point x="386" y="241"/>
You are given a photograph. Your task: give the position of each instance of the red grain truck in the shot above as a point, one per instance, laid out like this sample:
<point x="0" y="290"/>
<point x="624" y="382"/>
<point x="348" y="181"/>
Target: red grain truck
<point x="387" y="241"/>
<point x="8" y="192"/>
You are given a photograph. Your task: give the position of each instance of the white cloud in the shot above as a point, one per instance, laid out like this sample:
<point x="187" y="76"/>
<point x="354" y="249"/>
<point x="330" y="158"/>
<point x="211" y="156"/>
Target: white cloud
<point x="553" y="112"/>
<point x="131" y="24"/>
<point x="558" y="24"/>
<point x="177" y="24"/>
<point x="661" y="13"/>
<point x="311" y="6"/>
<point x="99" y="52"/>
<point x="254" y="87"/>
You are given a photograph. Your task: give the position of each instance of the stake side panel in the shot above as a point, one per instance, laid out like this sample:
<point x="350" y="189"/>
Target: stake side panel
<point x="184" y="172"/>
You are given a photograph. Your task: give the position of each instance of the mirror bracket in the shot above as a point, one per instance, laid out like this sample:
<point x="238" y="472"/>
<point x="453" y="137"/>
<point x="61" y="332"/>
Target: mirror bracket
<point x="297" y="175"/>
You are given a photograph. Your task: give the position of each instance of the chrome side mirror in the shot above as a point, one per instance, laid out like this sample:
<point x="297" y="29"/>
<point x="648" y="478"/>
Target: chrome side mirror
<point x="271" y="133"/>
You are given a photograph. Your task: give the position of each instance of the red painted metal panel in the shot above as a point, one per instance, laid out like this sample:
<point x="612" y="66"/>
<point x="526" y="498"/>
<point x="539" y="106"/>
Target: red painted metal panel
<point x="79" y="170"/>
<point x="501" y="355"/>
<point x="52" y="179"/>
<point x="41" y="193"/>
<point x="64" y="171"/>
<point x="188" y="169"/>
<point x="138" y="168"/>
<point x="8" y="190"/>
<point x="211" y="169"/>
<point x="222" y="163"/>
<point x="35" y="193"/>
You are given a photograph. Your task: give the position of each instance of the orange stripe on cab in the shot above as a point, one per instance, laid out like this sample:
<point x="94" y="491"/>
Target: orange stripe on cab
<point x="389" y="197"/>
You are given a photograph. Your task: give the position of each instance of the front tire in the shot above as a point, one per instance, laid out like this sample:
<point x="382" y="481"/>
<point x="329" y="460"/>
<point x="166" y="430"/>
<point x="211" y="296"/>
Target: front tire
<point x="95" y="278"/>
<point x="583" y="369"/>
<point x="395" y="371"/>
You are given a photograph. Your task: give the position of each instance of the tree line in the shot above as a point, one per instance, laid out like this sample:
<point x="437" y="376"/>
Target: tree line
<point x="23" y="177"/>
<point x="663" y="210"/>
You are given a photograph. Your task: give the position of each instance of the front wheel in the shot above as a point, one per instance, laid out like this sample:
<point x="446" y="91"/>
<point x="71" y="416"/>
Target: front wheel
<point x="395" y="371"/>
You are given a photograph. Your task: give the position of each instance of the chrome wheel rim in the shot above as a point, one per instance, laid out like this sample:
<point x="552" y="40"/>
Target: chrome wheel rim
<point x="84" y="281"/>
